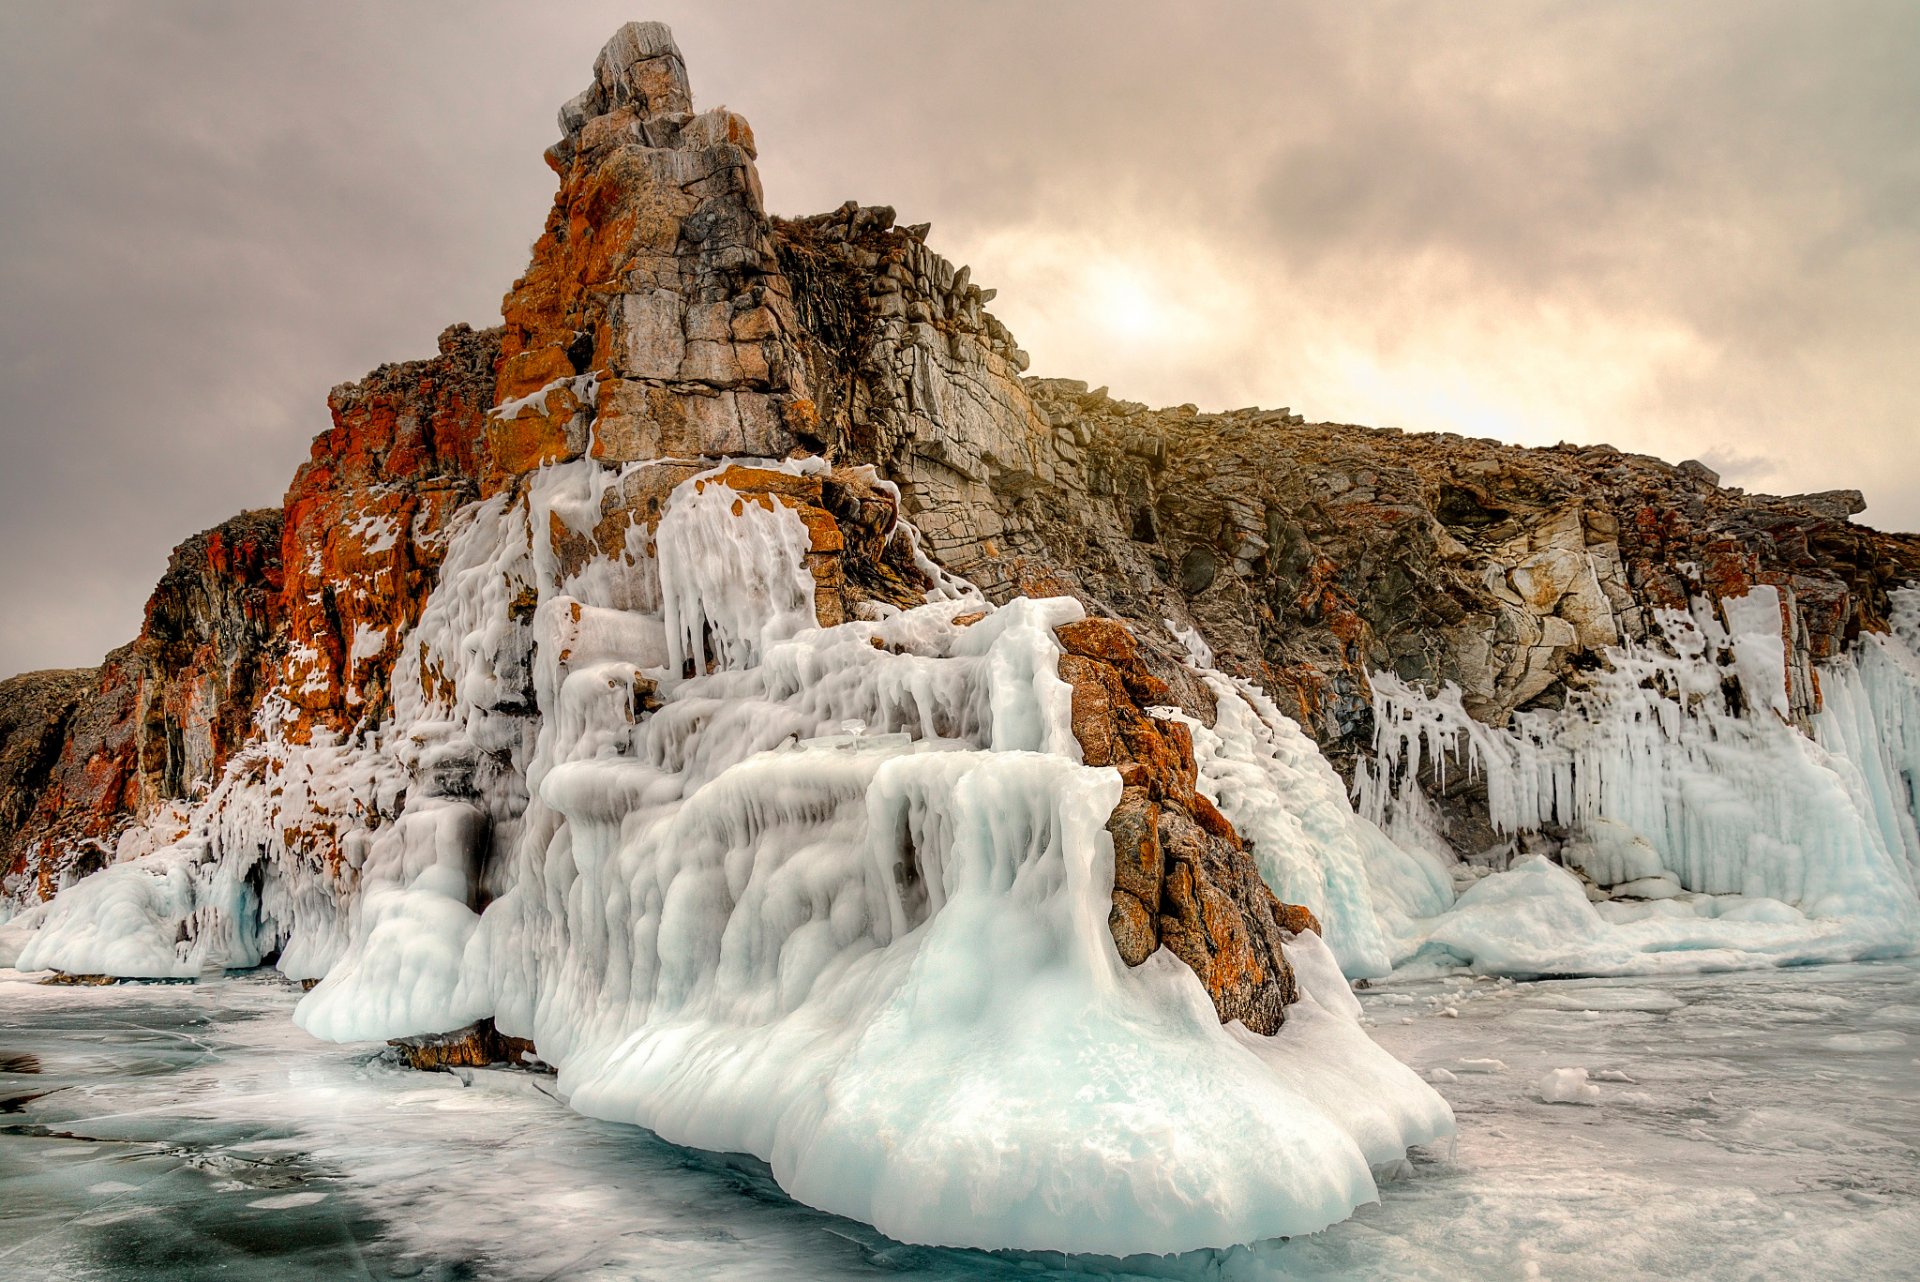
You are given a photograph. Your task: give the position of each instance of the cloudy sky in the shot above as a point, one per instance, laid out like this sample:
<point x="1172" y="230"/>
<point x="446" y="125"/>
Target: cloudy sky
<point x="1692" y="230"/>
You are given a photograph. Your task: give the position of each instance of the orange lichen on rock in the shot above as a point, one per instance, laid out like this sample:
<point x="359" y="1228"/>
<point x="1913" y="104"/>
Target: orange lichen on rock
<point x="366" y="520"/>
<point x="1182" y="877"/>
<point x="656" y="277"/>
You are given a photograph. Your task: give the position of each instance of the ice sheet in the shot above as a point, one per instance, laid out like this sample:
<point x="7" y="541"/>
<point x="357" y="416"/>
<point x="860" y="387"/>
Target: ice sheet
<point x="1754" y="1124"/>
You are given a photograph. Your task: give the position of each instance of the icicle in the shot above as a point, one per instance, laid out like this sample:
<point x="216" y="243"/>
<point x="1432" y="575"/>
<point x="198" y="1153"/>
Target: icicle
<point x="1680" y="776"/>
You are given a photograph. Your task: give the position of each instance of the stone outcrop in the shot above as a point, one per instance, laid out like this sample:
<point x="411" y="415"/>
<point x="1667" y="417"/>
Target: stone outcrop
<point x="654" y="320"/>
<point x="1182" y="876"/>
<point x="1309" y="554"/>
<point x="666" y="317"/>
<point x="306" y="603"/>
<point x="478" y="1045"/>
<point x="366" y="523"/>
<point x="36" y="717"/>
<point x="163" y="714"/>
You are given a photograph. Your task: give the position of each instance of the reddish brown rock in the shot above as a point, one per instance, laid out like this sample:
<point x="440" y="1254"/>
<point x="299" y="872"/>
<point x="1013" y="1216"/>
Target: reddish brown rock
<point x="477" y="1045"/>
<point x="36" y="718"/>
<point x="655" y="283"/>
<point x="162" y="714"/>
<point x="365" y="523"/>
<point x="1182" y="877"/>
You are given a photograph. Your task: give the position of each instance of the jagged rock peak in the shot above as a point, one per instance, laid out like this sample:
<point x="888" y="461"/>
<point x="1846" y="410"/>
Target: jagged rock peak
<point x="639" y="90"/>
<point x="641" y="68"/>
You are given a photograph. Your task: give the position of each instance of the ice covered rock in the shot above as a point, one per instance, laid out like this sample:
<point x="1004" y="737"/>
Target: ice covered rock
<point x="881" y="959"/>
<point x="158" y="720"/>
<point x="128" y="920"/>
<point x="664" y="313"/>
<point x="1684" y="778"/>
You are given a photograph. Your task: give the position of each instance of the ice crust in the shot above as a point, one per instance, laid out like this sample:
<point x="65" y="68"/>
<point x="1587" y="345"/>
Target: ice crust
<point x="838" y="897"/>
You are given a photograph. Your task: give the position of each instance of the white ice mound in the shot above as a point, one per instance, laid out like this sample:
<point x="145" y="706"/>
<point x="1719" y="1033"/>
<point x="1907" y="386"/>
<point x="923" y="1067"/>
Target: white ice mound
<point x="1566" y="1086"/>
<point x="411" y="925"/>
<point x="990" y="1073"/>
<point x="128" y="919"/>
<point x="837" y="897"/>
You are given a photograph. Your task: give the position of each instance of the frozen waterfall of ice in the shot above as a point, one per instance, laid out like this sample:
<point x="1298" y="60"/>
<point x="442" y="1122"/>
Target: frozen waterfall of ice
<point x="1283" y="797"/>
<point x="1728" y="836"/>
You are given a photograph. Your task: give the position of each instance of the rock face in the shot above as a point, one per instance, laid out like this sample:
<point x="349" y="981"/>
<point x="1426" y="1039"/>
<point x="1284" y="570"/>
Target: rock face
<point x="665" y="318"/>
<point x="654" y="320"/>
<point x="36" y="716"/>
<point x="1309" y="554"/>
<point x="1182" y="877"/>
<point x="303" y="606"/>
<point x="159" y="717"/>
<point x="366" y="523"/>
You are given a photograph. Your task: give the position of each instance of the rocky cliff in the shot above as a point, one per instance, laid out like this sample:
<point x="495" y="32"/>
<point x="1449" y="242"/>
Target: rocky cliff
<point x="667" y="319"/>
<point x="89" y="752"/>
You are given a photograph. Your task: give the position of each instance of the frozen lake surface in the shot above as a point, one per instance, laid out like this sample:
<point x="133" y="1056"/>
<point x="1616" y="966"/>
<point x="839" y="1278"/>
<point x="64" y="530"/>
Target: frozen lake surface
<point x="1743" y="1126"/>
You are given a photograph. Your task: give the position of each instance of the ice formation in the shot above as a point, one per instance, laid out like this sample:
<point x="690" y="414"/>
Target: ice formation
<point x="1566" y="1086"/>
<point x="839" y="895"/>
<point x="1717" y="832"/>
<point x="836" y="896"/>
<point x="1283" y="797"/>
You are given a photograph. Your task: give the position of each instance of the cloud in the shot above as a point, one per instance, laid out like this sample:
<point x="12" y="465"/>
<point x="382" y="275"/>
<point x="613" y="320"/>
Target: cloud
<point x="1687" y="230"/>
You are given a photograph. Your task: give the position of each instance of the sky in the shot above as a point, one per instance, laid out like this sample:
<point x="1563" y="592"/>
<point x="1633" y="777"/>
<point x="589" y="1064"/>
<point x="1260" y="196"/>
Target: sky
<point x="1687" y="230"/>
